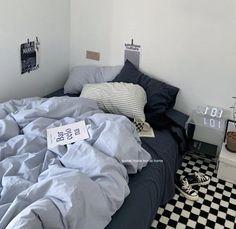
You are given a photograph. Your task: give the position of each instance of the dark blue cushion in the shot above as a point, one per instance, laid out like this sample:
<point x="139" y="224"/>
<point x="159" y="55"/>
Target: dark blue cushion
<point x="160" y="96"/>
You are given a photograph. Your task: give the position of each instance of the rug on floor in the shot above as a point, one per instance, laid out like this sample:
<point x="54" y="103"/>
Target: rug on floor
<point x="215" y="208"/>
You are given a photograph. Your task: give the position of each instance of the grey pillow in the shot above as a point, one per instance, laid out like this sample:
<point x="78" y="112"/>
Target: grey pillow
<point x="81" y="75"/>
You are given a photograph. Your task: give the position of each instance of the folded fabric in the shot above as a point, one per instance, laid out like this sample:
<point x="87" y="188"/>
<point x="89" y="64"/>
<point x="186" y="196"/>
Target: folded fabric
<point x="8" y="129"/>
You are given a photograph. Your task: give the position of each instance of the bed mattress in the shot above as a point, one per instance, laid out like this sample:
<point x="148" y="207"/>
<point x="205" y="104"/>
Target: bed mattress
<point x="154" y="185"/>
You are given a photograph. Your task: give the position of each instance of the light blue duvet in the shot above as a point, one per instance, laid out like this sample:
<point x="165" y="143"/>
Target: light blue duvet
<point x="78" y="186"/>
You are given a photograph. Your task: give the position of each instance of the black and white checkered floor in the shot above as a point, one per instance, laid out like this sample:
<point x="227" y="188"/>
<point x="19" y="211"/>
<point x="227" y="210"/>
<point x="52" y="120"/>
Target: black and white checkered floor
<point x="215" y="208"/>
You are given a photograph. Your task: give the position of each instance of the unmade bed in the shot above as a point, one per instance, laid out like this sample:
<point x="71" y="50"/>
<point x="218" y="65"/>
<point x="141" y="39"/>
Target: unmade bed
<point x="155" y="184"/>
<point x="108" y="180"/>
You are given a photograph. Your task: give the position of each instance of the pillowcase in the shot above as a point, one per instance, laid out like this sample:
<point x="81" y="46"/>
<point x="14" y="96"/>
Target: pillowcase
<point x="81" y="75"/>
<point x="160" y="96"/>
<point x="119" y="98"/>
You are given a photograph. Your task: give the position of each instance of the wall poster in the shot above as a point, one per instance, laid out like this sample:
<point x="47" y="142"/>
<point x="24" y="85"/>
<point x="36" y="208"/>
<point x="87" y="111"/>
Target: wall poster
<point x="132" y="53"/>
<point x="29" y="56"/>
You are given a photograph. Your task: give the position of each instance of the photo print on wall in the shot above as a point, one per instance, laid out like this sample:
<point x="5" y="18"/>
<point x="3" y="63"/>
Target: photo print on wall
<point x="29" y="56"/>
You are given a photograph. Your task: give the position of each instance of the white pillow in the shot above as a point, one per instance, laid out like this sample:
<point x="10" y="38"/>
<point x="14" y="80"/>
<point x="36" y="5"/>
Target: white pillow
<point x="81" y="75"/>
<point x="119" y="98"/>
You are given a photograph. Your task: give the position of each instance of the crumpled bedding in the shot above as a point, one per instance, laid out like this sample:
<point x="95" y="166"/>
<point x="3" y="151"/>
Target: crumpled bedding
<point x="79" y="185"/>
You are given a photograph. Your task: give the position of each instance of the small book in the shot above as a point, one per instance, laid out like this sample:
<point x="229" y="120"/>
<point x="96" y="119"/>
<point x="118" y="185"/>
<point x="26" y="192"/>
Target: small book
<point x="147" y="131"/>
<point x="67" y="134"/>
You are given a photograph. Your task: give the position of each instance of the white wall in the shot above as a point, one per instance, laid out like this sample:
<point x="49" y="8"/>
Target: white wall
<point x="189" y="43"/>
<point x="19" y="20"/>
<point x="91" y="23"/>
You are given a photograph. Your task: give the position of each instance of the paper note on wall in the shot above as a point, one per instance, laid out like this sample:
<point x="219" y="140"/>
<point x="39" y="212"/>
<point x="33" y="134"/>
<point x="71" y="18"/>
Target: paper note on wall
<point x="30" y="56"/>
<point x="133" y="57"/>
<point x="132" y="53"/>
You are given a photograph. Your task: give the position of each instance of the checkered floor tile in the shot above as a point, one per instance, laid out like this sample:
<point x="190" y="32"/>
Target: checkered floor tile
<point x="215" y="208"/>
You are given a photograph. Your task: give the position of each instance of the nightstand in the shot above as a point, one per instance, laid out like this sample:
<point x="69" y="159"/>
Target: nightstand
<point x="227" y="165"/>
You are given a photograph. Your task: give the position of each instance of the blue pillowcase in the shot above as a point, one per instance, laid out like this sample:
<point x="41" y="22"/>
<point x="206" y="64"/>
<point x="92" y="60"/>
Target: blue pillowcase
<point x="81" y="75"/>
<point x="160" y="96"/>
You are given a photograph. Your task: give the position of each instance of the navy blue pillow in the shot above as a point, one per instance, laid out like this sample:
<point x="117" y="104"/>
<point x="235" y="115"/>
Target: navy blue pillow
<point x="160" y="96"/>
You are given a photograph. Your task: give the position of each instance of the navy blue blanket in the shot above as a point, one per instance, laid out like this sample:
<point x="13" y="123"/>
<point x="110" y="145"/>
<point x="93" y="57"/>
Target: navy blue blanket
<point x="153" y="186"/>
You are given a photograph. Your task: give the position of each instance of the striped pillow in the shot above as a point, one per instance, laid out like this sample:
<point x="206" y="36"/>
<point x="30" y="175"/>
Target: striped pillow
<point x="119" y="98"/>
